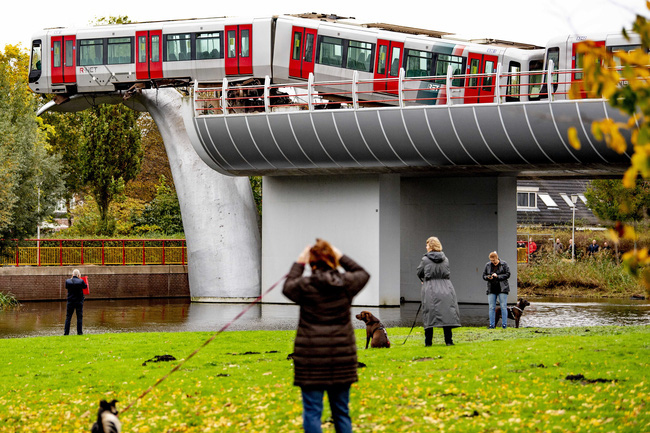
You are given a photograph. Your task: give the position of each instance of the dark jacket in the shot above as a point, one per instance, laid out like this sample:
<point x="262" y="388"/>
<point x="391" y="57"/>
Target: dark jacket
<point x="503" y="273"/>
<point x="325" y="350"/>
<point x="439" y="303"/>
<point x="75" y="288"/>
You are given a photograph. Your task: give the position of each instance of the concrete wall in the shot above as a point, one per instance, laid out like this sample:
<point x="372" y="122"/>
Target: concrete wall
<point x="471" y="216"/>
<point x="28" y="283"/>
<point x="383" y="221"/>
<point x="358" y="214"/>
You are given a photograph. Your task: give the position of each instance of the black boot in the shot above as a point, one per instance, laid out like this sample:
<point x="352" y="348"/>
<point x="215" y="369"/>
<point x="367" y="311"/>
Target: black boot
<point x="447" y="332"/>
<point x="428" y="337"/>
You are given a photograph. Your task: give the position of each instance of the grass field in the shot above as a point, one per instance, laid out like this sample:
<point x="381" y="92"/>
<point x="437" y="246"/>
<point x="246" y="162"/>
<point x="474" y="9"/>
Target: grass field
<point x="491" y="380"/>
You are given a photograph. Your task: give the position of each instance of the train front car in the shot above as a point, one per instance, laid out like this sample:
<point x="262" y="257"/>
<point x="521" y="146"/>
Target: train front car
<point x="38" y="77"/>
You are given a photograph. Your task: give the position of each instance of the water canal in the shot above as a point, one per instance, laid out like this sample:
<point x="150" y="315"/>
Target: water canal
<point x="180" y="315"/>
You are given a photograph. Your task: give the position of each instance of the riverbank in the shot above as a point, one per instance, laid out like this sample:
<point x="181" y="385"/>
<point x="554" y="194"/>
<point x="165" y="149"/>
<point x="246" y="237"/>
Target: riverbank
<point x="567" y="379"/>
<point x="42" y="283"/>
<point x="548" y="275"/>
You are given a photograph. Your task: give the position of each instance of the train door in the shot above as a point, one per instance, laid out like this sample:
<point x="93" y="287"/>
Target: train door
<point x="149" y="56"/>
<point x="64" y="59"/>
<point x="301" y="62"/>
<point x="387" y="65"/>
<point x="239" y="51"/>
<point x="577" y="63"/>
<point x="479" y="86"/>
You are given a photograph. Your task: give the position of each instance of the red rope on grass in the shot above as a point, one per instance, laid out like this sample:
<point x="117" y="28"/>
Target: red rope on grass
<point x="208" y="341"/>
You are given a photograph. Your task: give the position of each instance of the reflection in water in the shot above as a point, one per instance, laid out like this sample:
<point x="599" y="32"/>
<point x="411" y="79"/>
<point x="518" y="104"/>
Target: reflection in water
<point x="178" y="315"/>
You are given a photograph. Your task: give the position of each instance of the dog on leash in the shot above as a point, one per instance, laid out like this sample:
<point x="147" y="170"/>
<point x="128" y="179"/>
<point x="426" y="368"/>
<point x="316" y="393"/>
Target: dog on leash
<point x="376" y="334"/>
<point x="514" y="313"/>
<point x="107" y="420"/>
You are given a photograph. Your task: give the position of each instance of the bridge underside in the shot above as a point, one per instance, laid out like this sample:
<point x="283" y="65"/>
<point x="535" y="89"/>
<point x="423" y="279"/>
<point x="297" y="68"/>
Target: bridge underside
<point x="528" y="139"/>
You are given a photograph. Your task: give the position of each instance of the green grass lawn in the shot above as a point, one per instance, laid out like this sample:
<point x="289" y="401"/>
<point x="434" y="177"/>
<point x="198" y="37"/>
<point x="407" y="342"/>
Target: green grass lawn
<point x="491" y="380"/>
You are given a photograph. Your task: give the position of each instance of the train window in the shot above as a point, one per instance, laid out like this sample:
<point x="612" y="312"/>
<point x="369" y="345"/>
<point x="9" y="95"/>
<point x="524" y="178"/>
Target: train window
<point x="331" y="51"/>
<point x="442" y="64"/>
<point x="35" y="63"/>
<point x="297" y="40"/>
<point x="155" y="48"/>
<point x="245" y="43"/>
<point x="309" y="48"/>
<point x="381" y="62"/>
<point x="120" y="51"/>
<point x="623" y="48"/>
<point x="513" y="89"/>
<point x="554" y="55"/>
<point x="56" y="50"/>
<point x="394" y="62"/>
<point x="488" y="79"/>
<point x="179" y="47"/>
<point x="232" y="44"/>
<point x="69" y="53"/>
<point x="91" y="52"/>
<point x="359" y="56"/>
<point x="473" y="70"/>
<point x="536" y="68"/>
<point x="142" y="49"/>
<point x="418" y="63"/>
<point x="208" y="45"/>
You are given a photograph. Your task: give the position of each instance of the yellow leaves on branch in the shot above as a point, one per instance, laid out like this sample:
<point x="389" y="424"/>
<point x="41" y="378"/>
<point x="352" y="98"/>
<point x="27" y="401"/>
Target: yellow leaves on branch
<point x="611" y="132"/>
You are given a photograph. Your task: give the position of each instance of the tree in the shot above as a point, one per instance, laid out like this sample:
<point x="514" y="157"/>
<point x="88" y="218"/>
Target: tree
<point x="163" y="214"/>
<point x="30" y="184"/>
<point x="65" y="142"/>
<point x="611" y="201"/>
<point x="154" y="163"/>
<point x="110" y="155"/>
<point x="604" y="71"/>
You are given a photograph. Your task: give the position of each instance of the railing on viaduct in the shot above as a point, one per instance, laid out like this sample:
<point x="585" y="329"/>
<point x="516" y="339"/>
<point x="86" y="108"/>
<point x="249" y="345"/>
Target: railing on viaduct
<point x="102" y="252"/>
<point x="450" y="89"/>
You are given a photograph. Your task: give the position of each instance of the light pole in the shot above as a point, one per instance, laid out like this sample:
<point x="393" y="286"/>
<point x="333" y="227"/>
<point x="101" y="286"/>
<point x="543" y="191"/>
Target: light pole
<point x="574" y="199"/>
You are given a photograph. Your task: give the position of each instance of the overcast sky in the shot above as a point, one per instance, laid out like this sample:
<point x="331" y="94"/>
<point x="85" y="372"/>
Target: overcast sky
<point x="515" y="20"/>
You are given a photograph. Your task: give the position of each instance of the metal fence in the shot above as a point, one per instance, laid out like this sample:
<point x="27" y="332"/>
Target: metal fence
<point x="103" y="252"/>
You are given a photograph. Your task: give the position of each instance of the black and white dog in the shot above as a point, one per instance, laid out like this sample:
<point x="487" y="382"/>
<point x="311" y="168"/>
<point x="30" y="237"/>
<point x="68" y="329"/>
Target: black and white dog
<point x="107" y="420"/>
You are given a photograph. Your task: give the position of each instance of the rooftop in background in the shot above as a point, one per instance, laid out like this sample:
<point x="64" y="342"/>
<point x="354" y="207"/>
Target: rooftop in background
<point x="548" y="202"/>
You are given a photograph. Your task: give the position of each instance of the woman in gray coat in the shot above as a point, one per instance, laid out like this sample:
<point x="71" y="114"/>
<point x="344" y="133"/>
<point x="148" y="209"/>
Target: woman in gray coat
<point x="439" y="304"/>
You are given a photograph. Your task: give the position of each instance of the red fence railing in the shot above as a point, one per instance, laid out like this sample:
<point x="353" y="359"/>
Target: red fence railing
<point x="103" y="252"/>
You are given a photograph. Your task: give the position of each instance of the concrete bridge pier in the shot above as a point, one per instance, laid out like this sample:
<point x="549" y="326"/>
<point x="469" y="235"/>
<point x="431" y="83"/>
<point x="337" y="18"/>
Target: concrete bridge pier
<point x="383" y="221"/>
<point x="219" y="214"/>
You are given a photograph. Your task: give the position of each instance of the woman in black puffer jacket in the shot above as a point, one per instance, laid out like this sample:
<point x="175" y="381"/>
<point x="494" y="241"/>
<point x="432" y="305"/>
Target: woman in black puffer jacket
<point x="325" y="350"/>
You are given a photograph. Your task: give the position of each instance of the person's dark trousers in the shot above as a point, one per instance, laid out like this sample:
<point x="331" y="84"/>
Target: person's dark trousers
<point x="312" y="404"/>
<point x="71" y="308"/>
<point x="428" y="337"/>
<point x="447" y="331"/>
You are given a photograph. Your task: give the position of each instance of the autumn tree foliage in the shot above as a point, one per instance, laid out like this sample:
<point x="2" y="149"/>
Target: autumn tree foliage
<point x="623" y="78"/>
<point x="30" y="184"/>
<point x="110" y="155"/>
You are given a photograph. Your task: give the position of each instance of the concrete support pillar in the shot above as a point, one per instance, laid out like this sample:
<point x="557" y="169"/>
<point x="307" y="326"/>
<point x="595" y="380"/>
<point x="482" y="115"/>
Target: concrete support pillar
<point x="359" y="214"/>
<point x="471" y="216"/>
<point x="219" y="214"/>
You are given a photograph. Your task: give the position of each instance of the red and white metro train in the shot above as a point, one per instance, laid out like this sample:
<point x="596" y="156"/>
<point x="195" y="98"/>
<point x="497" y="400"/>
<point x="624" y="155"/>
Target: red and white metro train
<point x="287" y="49"/>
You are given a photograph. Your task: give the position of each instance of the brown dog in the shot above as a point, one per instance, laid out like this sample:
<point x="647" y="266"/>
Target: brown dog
<point x="514" y="313"/>
<point x="376" y="334"/>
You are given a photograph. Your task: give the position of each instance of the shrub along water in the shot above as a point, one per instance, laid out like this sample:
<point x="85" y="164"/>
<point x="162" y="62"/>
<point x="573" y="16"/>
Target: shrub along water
<point x="548" y="274"/>
<point x="527" y="379"/>
<point x="7" y="301"/>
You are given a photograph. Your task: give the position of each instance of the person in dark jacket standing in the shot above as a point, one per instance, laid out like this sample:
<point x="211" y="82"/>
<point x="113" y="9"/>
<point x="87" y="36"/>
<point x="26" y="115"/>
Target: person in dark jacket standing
<point x="496" y="273"/>
<point x="439" y="303"/>
<point x="75" y="287"/>
<point x="325" y="349"/>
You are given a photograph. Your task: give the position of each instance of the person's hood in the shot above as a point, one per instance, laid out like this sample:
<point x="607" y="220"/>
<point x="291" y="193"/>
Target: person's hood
<point x="436" y="256"/>
<point x="330" y="278"/>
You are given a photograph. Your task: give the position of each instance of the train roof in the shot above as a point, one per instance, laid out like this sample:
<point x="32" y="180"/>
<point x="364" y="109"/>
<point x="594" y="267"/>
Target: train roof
<point x="333" y="18"/>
